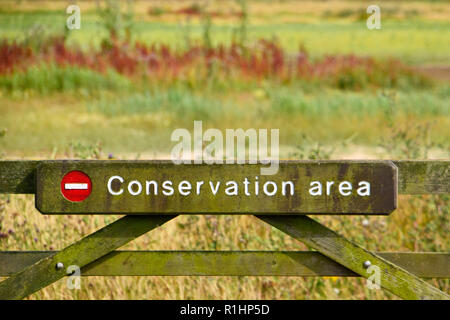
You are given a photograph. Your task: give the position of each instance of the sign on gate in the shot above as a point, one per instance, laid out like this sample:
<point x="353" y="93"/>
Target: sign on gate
<point x="76" y="186"/>
<point x="162" y="187"/>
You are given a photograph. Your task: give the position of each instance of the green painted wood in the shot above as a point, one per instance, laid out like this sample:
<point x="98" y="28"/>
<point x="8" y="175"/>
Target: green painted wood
<point x="393" y="278"/>
<point x="414" y="177"/>
<point x="81" y="253"/>
<point x="229" y="263"/>
<point x="291" y="187"/>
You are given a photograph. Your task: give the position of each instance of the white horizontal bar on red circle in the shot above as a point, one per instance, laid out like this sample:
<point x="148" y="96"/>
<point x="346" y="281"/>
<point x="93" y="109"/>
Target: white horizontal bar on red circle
<point x="76" y="186"/>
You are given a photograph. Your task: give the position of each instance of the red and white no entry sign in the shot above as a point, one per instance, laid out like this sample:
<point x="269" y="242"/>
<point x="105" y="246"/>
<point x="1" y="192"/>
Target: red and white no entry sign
<point x="76" y="186"/>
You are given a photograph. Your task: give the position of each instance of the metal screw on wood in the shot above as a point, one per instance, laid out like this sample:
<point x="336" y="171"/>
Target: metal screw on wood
<point x="367" y="264"/>
<point x="59" y="266"/>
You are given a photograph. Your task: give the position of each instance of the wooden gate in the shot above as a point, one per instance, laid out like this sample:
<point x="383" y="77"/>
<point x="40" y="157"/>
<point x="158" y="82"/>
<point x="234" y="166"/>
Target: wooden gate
<point x="115" y="187"/>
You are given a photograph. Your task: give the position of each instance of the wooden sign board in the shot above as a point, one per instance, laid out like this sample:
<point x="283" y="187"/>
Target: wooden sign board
<point x="162" y="187"/>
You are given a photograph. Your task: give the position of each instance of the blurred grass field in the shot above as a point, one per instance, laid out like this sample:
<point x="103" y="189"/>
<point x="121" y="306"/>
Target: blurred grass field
<point x="53" y="108"/>
<point x="415" y="32"/>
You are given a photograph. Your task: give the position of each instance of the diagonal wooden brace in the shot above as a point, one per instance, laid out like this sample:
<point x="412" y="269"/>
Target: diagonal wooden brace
<point x="393" y="278"/>
<point x="81" y="253"/>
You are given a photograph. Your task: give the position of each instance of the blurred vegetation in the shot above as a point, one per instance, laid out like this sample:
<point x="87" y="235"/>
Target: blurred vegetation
<point x="411" y="142"/>
<point x="2" y="135"/>
<point x="50" y="79"/>
<point x="116" y="19"/>
<point x="138" y="70"/>
<point x="313" y="150"/>
<point x="413" y="38"/>
<point x="80" y="150"/>
<point x="172" y="102"/>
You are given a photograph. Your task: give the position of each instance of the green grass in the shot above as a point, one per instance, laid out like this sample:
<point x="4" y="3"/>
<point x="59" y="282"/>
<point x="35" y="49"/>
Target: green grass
<point x="48" y="79"/>
<point x="289" y="101"/>
<point x="142" y="121"/>
<point x="181" y="103"/>
<point x="413" y="40"/>
<point x="276" y="101"/>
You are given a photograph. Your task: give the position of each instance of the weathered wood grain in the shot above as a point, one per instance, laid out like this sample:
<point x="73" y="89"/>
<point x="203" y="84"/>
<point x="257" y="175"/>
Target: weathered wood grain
<point x="18" y="176"/>
<point x="423" y="177"/>
<point x="393" y="278"/>
<point x="44" y="272"/>
<point x="229" y="263"/>
<point x="414" y="177"/>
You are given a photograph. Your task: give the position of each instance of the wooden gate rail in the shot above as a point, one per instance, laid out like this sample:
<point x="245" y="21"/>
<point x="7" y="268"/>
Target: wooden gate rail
<point x="229" y="263"/>
<point x="30" y="271"/>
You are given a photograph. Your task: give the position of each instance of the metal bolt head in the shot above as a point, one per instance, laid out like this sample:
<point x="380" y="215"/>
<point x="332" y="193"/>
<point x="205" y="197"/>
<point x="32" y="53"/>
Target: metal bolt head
<point x="59" y="265"/>
<point x="367" y="264"/>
